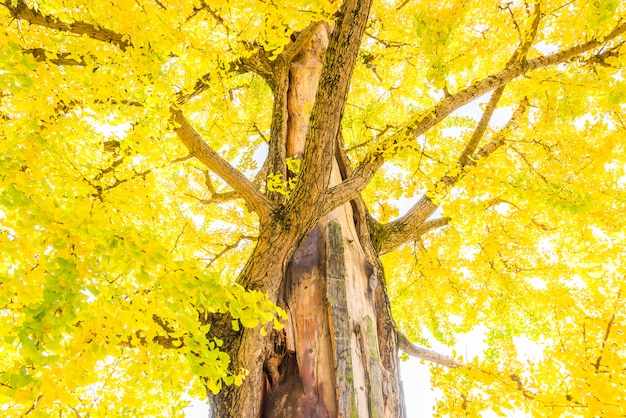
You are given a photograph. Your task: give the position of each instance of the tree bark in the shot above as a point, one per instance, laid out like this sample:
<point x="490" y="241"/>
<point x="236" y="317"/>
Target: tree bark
<point x="337" y="355"/>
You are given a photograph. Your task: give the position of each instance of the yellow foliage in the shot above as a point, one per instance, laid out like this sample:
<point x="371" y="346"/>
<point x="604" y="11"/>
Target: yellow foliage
<point x="115" y="248"/>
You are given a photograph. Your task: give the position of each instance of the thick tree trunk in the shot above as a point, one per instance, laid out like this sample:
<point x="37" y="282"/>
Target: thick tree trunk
<point x="333" y="332"/>
<point x="337" y="355"/>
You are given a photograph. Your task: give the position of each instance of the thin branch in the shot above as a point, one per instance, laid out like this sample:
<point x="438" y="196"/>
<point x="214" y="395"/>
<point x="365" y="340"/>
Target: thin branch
<point x="258" y="63"/>
<point x="178" y="238"/>
<point x="499" y="139"/>
<point x="212" y="160"/>
<point x="518" y="56"/>
<point x="442" y="360"/>
<point x="479" y="132"/>
<point x="228" y="247"/>
<point x="607" y="332"/>
<point x="422" y="122"/>
<point x="58" y="58"/>
<point x="21" y="11"/>
<point x="182" y="159"/>
<point x="606" y="337"/>
<point x="32" y="408"/>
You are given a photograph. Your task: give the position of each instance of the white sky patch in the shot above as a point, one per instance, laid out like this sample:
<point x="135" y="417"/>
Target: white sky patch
<point x="406" y="203"/>
<point x="529" y="350"/>
<point x="581" y="122"/>
<point x="453" y="132"/>
<point x="576" y="282"/>
<point x="90" y="296"/>
<point x="137" y="159"/>
<point x="472" y="344"/>
<point x="501" y="117"/>
<point x="481" y="28"/>
<point x="419" y="397"/>
<point x="198" y="220"/>
<point x="546" y="48"/>
<point x="197" y="408"/>
<point x="474" y="110"/>
<point x="537" y="283"/>
<point x="503" y="208"/>
<point x="467" y="274"/>
<point x="108" y="130"/>
<point x="547" y="249"/>
<point x="470" y="252"/>
<point x="600" y="235"/>
<point x="621" y="182"/>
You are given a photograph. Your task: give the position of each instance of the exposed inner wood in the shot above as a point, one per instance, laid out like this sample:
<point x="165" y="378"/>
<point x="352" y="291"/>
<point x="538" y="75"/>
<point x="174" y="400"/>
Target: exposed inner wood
<point x="329" y="294"/>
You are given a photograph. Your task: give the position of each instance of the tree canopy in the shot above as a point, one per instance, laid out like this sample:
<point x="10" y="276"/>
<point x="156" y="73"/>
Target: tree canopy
<point x="134" y="183"/>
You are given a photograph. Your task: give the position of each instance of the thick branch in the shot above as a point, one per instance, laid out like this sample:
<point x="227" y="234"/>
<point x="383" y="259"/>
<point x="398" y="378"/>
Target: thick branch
<point x="220" y="197"/>
<point x="406" y="227"/>
<point x="422" y="122"/>
<point x="401" y="230"/>
<point x="432" y="224"/>
<point x="203" y="152"/>
<point x="424" y="353"/>
<point x="278" y="129"/>
<point x="479" y="132"/>
<point x="327" y="110"/>
<point x="294" y="48"/>
<point x="21" y="11"/>
<point x="280" y="113"/>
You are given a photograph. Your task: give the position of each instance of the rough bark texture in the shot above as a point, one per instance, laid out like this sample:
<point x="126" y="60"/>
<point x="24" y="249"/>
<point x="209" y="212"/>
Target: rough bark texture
<point x="332" y="359"/>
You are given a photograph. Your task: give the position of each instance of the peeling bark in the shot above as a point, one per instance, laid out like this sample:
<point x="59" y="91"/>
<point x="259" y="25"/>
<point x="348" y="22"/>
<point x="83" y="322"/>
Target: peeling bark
<point x="328" y="360"/>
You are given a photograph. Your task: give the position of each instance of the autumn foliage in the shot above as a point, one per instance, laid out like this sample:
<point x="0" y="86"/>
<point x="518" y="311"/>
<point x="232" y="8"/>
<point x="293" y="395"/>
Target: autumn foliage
<point x="486" y="139"/>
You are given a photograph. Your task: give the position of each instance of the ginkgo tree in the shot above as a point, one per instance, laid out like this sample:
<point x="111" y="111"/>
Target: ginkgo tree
<point x="262" y="202"/>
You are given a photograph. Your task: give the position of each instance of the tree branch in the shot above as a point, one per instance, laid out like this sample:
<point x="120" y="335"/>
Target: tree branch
<point x="227" y="247"/>
<point x="280" y="85"/>
<point x="607" y="332"/>
<point x="21" y="11"/>
<point x="203" y="152"/>
<point x="293" y="49"/>
<point x="404" y="228"/>
<point x="442" y="360"/>
<point x="422" y="122"/>
<point x="424" y="353"/>
<point x="518" y="56"/>
<point x="219" y="197"/>
<point x="432" y="224"/>
<point x="339" y="61"/>
<point x="57" y="58"/>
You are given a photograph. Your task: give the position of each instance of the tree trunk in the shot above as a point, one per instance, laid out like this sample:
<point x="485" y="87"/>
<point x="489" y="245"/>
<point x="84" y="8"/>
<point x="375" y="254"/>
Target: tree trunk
<point x="337" y="355"/>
